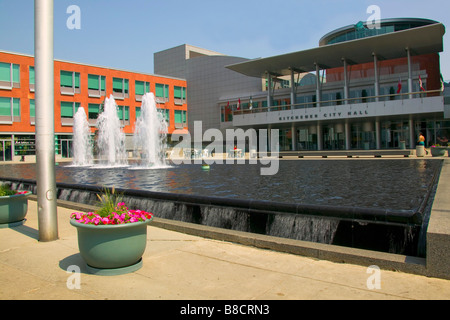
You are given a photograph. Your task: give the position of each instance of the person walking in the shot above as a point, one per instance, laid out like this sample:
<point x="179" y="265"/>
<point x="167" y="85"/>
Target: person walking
<point x="422" y="141"/>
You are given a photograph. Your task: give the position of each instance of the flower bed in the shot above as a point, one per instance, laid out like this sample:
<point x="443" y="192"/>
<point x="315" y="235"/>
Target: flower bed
<point x="120" y="215"/>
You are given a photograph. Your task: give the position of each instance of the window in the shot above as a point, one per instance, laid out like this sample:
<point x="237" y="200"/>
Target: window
<point x="179" y="94"/>
<point x="69" y="82"/>
<point x="138" y="112"/>
<point x="226" y="113"/>
<point x="123" y="112"/>
<point x="166" y="113"/>
<point x="9" y="76"/>
<point x="68" y="110"/>
<point x="161" y="92"/>
<point x="32" y="111"/>
<point x="96" y="85"/>
<point x="120" y="88"/>
<point x="93" y="112"/>
<point x="32" y="78"/>
<point x="141" y="88"/>
<point x="180" y="118"/>
<point x="24" y="145"/>
<point x="9" y="110"/>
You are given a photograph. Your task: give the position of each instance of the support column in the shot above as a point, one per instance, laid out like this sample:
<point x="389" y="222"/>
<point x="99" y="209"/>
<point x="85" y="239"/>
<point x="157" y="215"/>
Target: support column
<point x="378" y="134"/>
<point x="319" y="137"/>
<point x="13" y="146"/>
<point x="410" y="80"/>
<point x="294" y="137"/>
<point x="345" y="81"/>
<point x="45" y="131"/>
<point x="269" y="91"/>
<point x="347" y="136"/>
<point x="377" y="77"/>
<point x="318" y="87"/>
<point x="293" y="88"/>
<point x="412" y="135"/>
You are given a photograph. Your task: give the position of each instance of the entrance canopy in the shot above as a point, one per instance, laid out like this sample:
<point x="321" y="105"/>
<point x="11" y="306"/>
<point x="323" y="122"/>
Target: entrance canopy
<point x="421" y="40"/>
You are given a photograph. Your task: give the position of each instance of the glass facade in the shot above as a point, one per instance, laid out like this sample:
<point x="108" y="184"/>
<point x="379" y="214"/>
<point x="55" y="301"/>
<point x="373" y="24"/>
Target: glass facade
<point x="360" y="30"/>
<point x="394" y="134"/>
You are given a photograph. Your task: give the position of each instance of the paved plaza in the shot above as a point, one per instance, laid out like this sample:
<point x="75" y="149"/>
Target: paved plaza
<point x="178" y="266"/>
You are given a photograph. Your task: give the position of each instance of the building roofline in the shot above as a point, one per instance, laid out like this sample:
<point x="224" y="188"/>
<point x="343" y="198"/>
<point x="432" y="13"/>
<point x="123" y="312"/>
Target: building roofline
<point x="343" y="30"/>
<point x="421" y="40"/>
<point x="95" y="66"/>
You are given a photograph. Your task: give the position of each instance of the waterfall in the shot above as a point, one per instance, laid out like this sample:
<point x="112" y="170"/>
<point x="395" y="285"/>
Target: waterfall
<point x="398" y="239"/>
<point x="303" y="228"/>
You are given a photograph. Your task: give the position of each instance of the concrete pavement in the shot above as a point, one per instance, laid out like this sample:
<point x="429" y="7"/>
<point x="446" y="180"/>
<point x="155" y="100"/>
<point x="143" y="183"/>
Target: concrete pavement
<point x="177" y="266"/>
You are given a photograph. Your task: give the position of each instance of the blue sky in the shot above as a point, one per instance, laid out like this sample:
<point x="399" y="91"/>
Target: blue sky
<point x="125" y="33"/>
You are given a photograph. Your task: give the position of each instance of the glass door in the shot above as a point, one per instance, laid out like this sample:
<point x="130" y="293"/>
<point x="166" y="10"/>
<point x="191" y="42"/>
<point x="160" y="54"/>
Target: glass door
<point x="5" y="150"/>
<point x="66" y="148"/>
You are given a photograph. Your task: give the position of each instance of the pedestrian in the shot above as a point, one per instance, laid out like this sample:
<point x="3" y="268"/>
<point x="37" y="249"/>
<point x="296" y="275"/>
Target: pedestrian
<point x="422" y="141"/>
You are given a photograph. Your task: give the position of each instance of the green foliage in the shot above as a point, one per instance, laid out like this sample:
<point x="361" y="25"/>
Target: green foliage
<point x="5" y="190"/>
<point x="108" y="202"/>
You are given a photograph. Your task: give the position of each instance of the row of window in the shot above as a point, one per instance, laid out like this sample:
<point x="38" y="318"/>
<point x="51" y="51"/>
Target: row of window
<point x="10" y="112"/>
<point x="70" y="85"/>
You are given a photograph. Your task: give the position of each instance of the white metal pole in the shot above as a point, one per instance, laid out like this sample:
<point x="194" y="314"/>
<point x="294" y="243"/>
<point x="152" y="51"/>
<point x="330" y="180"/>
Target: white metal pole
<point x="45" y="131"/>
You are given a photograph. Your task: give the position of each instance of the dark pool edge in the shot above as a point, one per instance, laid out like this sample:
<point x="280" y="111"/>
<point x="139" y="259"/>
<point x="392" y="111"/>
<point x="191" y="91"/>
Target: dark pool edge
<point x="350" y="213"/>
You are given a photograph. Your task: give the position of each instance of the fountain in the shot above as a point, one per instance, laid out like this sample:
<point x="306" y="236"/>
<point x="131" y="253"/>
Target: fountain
<point x="82" y="146"/>
<point x="150" y="134"/>
<point x="111" y="139"/>
<point x="149" y="137"/>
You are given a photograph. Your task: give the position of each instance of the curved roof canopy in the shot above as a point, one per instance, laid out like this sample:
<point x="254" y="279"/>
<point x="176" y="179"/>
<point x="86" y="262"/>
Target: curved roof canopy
<point x="386" y="26"/>
<point x="421" y="40"/>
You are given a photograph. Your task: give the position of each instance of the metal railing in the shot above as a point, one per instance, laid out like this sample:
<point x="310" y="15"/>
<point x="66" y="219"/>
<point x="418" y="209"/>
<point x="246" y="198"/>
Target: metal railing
<point x="338" y="102"/>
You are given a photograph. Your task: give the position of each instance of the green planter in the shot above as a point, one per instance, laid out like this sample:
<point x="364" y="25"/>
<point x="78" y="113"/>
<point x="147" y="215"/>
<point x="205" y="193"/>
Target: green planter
<point x="438" y="151"/>
<point x="112" y="249"/>
<point x="13" y="209"/>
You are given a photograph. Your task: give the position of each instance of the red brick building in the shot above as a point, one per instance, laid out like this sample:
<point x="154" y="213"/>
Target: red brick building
<point x="78" y="85"/>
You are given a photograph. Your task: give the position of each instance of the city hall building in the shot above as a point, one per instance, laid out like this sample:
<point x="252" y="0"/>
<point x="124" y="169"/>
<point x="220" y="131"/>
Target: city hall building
<point x="371" y="89"/>
<point x="360" y="89"/>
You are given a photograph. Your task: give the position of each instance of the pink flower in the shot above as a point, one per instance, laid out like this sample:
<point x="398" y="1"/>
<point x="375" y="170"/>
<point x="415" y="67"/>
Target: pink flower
<point x="105" y="220"/>
<point x="119" y="216"/>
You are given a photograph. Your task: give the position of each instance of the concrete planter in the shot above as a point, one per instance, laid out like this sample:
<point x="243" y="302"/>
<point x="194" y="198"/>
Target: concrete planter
<point x="438" y="151"/>
<point x="112" y="249"/>
<point x="13" y="209"/>
<point x="420" y="151"/>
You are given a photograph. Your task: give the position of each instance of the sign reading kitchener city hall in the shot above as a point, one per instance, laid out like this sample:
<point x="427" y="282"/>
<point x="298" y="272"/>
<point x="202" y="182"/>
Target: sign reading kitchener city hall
<point x="325" y="115"/>
<point x="360" y="110"/>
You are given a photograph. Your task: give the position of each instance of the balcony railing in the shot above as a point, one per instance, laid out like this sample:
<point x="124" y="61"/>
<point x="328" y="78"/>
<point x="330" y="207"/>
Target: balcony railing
<point x="328" y="103"/>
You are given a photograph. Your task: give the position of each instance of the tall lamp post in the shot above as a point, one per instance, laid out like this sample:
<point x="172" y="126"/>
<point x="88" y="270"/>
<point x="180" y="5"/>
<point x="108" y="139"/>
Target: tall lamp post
<point x="45" y="130"/>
